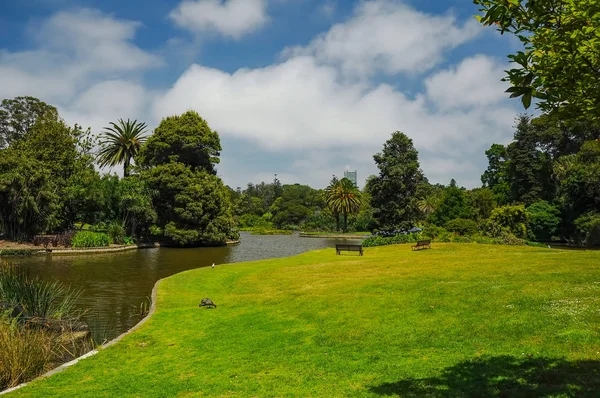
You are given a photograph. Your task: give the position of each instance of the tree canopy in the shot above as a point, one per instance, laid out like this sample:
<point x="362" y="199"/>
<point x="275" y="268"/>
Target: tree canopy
<point x="560" y="63"/>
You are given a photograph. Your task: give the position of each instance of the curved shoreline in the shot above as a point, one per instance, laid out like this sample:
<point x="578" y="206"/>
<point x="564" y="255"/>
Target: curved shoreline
<point x="332" y="236"/>
<point x="95" y="351"/>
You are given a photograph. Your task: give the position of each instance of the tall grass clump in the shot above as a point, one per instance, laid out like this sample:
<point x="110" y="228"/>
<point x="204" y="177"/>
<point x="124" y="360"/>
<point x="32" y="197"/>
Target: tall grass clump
<point x="24" y="353"/>
<point x="85" y="239"/>
<point x="39" y="298"/>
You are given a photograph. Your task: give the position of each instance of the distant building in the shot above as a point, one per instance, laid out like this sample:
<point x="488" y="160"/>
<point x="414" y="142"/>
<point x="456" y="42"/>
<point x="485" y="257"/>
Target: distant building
<point x="351" y="175"/>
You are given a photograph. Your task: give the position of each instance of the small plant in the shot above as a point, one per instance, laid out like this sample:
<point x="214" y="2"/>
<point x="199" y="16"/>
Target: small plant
<point x="116" y="232"/>
<point x="263" y="231"/>
<point x="128" y="240"/>
<point x="86" y="239"/>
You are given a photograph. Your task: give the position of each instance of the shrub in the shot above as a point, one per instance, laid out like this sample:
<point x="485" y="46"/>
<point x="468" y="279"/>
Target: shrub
<point x="462" y="226"/>
<point x="263" y="231"/>
<point x="391" y="240"/>
<point x="433" y="232"/>
<point x="588" y="226"/>
<point x="116" y="232"/>
<point x="543" y="220"/>
<point x="507" y="219"/>
<point x="83" y="239"/>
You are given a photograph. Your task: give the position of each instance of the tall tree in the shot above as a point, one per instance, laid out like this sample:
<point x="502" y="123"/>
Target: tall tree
<point x="560" y="63"/>
<point x="345" y="198"/>
<point x="496" y="175"/>
<point x="178" y="165"/>
<point x="393" y="191"/>
<point x="454" y="204"/>
<point x="329" y="194"/>
<point x="121" y="143"/>
<point x="186" y="139"/>
<point x="529" y="169"/>
<point x="19" y="115"/>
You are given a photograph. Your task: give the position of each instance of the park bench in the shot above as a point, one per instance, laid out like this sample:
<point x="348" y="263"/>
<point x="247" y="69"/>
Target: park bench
<point x="348" y="248"/>
<point x="422" y="244"/>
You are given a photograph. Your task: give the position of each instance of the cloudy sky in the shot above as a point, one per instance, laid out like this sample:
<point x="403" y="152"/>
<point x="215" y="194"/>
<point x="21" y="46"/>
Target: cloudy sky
<point x="301" y="88"/>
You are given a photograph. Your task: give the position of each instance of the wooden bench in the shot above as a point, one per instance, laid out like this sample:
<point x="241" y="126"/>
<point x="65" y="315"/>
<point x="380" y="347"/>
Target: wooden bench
<point x="348" y="248"/>
<point x="422" y="244"/>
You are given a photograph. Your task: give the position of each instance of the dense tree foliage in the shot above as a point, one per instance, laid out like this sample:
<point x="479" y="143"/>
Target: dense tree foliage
<point x="559" y="65"/>
<point x="19" y="115"/>
<point x="185" y="139"/>
<point x="343" y="198"/>
<point x="394" y="191"/>
<point x="178" y="165"/>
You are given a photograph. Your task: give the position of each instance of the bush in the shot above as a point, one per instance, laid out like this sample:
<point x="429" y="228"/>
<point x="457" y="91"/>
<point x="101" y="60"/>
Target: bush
<point x="86" y="239"/>
<point x="391" y="240"/>
<point x="433" y="232"/>
<point x="511" y="219"/>
<point x="264" y="231"/>
<point x="116" y="232"/>
<point x="543" y="220"/>
<point x="588" y="226"/>
<point x="462" y="226"/>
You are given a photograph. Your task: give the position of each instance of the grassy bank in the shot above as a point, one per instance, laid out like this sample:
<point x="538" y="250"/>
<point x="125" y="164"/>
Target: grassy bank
<point x="457" y="320"/>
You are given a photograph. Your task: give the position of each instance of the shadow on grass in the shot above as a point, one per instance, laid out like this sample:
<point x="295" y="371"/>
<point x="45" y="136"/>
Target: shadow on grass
<point x="504" y="376"/>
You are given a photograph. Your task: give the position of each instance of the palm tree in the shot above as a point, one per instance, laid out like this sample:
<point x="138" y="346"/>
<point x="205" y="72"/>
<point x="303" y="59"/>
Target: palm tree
<point x="344" y="197"/>
<point x="121" y="143"/>
<point x="428" y="204"/>
<point x="329" y="197"/>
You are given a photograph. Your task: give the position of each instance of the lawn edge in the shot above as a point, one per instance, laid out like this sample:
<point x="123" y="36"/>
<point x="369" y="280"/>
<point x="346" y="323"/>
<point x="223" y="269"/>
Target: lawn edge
<point x="95" y="351"/>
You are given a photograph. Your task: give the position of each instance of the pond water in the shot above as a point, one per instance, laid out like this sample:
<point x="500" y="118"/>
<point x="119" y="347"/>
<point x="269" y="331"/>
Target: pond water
<point x="114" y="285"/>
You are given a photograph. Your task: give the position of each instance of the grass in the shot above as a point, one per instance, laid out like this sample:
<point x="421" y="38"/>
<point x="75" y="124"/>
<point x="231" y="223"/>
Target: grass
<point x="330" y="233"/>
<point x="266" y="231"/>
<point x="457" y="320"/>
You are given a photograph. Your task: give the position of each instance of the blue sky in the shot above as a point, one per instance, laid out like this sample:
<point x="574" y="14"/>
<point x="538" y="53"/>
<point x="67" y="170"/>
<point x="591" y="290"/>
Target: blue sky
<point x="301" y="88"/>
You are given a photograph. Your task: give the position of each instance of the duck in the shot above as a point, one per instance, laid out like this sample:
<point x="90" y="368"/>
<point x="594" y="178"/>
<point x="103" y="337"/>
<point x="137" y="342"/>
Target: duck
<point x="206" y="302"/>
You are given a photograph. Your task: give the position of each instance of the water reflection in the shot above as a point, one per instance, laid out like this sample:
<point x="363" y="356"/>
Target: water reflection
<point x="114" y="284"/>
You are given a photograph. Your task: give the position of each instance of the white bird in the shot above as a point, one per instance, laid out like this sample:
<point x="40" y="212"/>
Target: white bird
<point x="213" y="266"/>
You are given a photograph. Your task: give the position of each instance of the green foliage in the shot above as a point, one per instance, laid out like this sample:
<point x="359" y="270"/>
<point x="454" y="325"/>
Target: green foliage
<point x="393" y="190"/>
<point x="529" y="169"/>
<point x="296" y="204"/>
<point x="89" y="239"/>
<point x="39" y="298"/>
<point x="266" y="231"/>
<point x="374" y="241"/>
<point x="121" y="143"/>
<point x="508" y="220"/>
<point x="343" y="198"/>
<point x="116" y="232"/>
<point x="19" y="115"/>
<point x="482" y="202"/>
<point x="543" y="221"/>
<point x="559" y="63"/>
<point x="454" y="204"/>
<point x="588" y="227"/>
<point x="462" y="226"/>
<point x="253" y="221"/>
<point x="185" y="139"/>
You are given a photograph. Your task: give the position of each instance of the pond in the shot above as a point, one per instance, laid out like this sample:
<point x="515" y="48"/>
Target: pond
<point x="115" y="284"/>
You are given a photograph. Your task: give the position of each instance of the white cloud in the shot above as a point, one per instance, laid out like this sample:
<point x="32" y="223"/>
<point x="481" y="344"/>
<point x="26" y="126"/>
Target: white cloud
<point x="460" y="86"/>
<point x="231" y="18"/>
<point x="300" y="105"/>
<point x="387" y="36"/>
<point x="84" y="62"/>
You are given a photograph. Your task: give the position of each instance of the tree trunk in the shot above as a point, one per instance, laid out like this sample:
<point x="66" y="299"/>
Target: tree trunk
<point x="345" y="221"/>
<point x="126" y="167"/>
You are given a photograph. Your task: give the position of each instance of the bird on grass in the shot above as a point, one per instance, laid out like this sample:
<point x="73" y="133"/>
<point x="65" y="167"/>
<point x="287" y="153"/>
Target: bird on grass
<point x="206" y="302"/>
<point x="213" y="266"/>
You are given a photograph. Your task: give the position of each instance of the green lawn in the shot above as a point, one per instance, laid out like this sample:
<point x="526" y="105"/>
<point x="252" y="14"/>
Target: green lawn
<point x="457" y="320"/>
